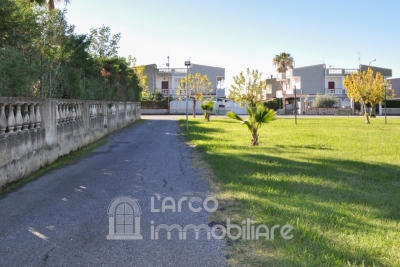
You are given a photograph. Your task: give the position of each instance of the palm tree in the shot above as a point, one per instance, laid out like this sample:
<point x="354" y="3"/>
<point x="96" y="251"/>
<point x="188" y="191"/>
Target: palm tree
<point x="257" y="116"/>
<point x="50" y="3"/>
<point x="207" y="107"/>
<point x="283" y="62"/>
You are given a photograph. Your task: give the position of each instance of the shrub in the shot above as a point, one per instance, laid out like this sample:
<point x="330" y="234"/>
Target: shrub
<point x="208" y="107"/>
<point x="274" y="104"/>
<point x="324" y="101"/>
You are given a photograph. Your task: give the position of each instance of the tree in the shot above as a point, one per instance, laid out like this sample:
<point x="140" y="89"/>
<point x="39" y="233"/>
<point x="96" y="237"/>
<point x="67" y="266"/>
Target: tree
<point x="103" y="44"/>
<point x="50" y="3"/>
<point x="283" y="62"/>
<point x="324" y="101"/>
<point x="258" y="116"/>
<point x="139" y="70"/>
<point x="207" y="107"/>
<point x="366" y="88"/>
<point x="248" y="91"/>
<point x="199" y="86"/>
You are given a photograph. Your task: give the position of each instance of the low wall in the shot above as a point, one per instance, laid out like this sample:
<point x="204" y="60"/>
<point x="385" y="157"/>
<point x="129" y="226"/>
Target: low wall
<point x="329" y="111"/>
<point x="35" y="132"/>
<point x="154" y="111"/>
<point x="391" y="111"/>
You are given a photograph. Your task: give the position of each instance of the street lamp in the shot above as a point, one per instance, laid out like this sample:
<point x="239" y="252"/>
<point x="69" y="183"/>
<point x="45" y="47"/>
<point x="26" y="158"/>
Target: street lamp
<point x="384" y="88"/>
<point x="187" y="64"/>
<point x="168" y="87"/>
<point x="371" y="62"/>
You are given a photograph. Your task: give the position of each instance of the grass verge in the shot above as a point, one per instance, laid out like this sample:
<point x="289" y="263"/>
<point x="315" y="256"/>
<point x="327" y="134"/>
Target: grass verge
<point x="336" y="181"/>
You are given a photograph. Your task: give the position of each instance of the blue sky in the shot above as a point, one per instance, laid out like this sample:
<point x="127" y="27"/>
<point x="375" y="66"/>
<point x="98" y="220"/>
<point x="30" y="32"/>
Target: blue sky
<point x="241" y="34"/>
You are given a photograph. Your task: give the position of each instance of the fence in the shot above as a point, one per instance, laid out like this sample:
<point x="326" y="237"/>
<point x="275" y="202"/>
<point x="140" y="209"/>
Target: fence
<point x="36" y="131"/>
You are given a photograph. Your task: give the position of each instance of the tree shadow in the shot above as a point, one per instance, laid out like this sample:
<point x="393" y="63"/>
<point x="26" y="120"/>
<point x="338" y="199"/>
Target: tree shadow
<point x="330" y="202"/>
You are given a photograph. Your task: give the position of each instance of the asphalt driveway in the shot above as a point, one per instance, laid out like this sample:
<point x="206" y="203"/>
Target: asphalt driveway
<point x="63" y="218"/>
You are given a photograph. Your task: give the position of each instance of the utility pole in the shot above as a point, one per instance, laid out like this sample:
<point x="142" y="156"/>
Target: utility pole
<point x="187" y="64"/>
<point x="168" y="87"/>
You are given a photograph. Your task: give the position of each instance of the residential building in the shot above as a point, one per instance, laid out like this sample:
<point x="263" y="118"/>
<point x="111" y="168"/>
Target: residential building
<point x="303" y="84"/>
<point x="168" y="79"/>
<point x="395" y="85"/>
<point x="272" y="87"/>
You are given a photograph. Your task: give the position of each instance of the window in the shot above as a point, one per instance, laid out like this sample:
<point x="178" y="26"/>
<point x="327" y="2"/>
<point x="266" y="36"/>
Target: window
<point x="331" y="85"/>
<point x="164" y="85"/>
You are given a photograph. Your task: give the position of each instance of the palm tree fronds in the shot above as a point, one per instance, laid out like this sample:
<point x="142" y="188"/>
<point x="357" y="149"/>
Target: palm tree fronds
<point x="234" y="116"/>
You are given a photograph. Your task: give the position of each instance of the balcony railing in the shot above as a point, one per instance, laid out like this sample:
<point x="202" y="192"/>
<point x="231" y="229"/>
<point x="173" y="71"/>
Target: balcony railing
<point x="166" y="71"/>
<point x="179" y="71"/>
<point x="335" y="91"/>
<point x="350" y="71"/>
<point x="339" y="72"/>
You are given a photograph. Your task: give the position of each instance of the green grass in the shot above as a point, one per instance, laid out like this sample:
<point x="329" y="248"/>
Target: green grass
<point x="336" y="180"/>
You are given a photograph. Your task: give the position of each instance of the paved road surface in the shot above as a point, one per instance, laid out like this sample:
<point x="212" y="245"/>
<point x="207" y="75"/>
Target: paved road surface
<point x="61" y="219"/>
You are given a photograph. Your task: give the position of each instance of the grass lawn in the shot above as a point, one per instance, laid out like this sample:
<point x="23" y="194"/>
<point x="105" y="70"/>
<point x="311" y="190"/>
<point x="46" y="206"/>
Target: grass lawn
<point x="335" y="180"/>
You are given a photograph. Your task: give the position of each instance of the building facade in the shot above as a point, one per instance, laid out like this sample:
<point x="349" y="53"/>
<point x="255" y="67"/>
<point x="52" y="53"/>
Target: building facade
<point x="300" y="86"/>
<point x="167" y="80"/>
<point x="395" y="85"/>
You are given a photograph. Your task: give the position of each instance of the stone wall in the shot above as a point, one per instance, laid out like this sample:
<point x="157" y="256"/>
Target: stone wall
<point x="329" y="111"/>
<point x="35" y="132"/>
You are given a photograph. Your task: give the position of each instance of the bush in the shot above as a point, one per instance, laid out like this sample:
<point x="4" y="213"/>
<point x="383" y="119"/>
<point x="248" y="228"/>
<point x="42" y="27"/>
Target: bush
<point x="159" y="96"/>
<point x="207" y="107"/>
<point x="324" y="101"/>
<point x="274" y="104"/>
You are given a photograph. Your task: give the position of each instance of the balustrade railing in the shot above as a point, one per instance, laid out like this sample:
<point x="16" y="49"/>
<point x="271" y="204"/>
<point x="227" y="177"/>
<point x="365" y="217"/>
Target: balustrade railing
<point x="95" y="110"/>
<point x="19" y="116"/>
<point x="68" y="112"/>
<point x="111" y="108"/>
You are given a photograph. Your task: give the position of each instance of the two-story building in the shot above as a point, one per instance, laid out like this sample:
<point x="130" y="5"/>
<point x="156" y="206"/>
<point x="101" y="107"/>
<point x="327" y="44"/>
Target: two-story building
<point x="395" y="85"/>
<point x="303" y="84"/>
<point x="167" y="80"/>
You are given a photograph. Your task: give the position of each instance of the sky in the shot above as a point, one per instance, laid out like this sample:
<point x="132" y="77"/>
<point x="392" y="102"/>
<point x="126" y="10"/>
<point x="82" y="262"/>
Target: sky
<point x="237" y="35"/>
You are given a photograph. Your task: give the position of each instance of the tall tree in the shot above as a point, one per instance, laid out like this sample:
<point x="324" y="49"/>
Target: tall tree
<point x="366" y="88"/>
<point x="103" y="44"/>
<point x="50" y="3"/>
<point x="139" y="70"/>
<point x="283" y="62"/>
<point x="18" y="24"/>
<point x="258" y="116"/>
<point x="199" y="86"/>
<point x="248" y="91"/>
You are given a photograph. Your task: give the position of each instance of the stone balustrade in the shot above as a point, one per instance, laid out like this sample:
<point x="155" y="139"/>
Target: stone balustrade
<point x="68" y="112"/>
<point x="18" y="116"/>
<point x="35" y="132"/>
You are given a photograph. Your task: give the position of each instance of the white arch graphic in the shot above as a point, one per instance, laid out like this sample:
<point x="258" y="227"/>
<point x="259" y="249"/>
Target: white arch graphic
<point x="129" y="204"/>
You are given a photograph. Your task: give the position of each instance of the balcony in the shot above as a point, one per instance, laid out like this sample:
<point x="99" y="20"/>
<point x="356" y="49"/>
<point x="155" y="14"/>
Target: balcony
<point x="335" y="91"/>
<point x="334" y="72"/>
<point x="340" y="72"/>
<point x="166" y="71"/>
